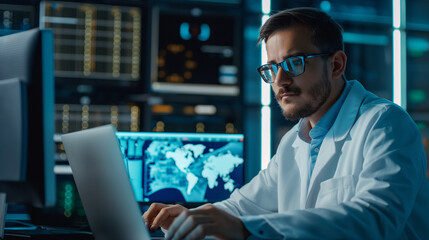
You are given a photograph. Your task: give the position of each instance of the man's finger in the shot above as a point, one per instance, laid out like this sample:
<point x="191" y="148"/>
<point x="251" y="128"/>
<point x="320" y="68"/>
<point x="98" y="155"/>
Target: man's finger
<point x="197" y="223"/>
<point x="152" y="212"/>
<point x="202" y="230"/>
<point x="176" y="224"/>
<point x="190" y="223"/>
<point x="160" y="219"/>
<point x="165" y="216"/>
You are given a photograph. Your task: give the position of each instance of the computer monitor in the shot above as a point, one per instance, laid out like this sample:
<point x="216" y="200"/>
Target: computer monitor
<point x="197" y="51"/>
<point x="26" y="118"/>
<point x="188" y="168"/>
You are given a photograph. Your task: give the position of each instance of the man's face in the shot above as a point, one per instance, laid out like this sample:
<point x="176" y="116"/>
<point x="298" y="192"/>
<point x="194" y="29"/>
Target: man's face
<point x="300" y="96"/>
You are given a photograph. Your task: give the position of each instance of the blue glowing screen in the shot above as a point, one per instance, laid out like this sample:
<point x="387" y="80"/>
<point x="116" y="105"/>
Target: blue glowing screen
<point x="183" y="167"/>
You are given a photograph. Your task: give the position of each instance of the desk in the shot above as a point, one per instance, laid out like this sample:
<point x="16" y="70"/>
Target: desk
<point x="48" y="233"/>
<point x="54" y="233"/>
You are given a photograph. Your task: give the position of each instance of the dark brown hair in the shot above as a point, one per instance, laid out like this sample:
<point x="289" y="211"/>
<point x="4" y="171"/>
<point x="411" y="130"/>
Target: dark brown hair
<point x="327" y="34"/>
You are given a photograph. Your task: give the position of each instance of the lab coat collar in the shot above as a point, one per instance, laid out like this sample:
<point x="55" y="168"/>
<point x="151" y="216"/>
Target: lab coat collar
<point x="349" y="110"/>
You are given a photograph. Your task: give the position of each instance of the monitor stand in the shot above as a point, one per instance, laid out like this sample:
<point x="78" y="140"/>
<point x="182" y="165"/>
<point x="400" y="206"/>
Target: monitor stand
<point x="3" y="209"/>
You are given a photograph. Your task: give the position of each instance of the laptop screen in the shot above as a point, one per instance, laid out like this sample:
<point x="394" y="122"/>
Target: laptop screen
<point x="183" y="167"/>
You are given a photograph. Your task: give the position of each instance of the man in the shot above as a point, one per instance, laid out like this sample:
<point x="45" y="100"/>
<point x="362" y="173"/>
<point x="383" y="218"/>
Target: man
<point x="352" y="168"/>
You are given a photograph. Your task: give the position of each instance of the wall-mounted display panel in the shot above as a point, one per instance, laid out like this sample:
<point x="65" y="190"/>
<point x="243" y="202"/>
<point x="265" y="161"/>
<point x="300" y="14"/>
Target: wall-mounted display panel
<point x="75" y="117"/>
<point x="94" y="41"/>
<point x="15" y="18"/>
<point x="217" y="117"/>
<point x="196" y="52"/>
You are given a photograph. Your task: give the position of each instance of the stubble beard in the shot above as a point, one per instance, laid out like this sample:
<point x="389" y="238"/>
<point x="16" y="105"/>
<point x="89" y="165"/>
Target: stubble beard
<point x="319" y="93"/>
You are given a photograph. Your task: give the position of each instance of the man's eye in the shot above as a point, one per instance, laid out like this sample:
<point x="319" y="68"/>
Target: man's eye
<point x="297" y="62"/>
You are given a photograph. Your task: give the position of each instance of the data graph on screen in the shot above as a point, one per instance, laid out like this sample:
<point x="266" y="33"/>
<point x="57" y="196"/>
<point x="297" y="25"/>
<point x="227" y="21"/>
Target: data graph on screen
<point x="183" y="167"/>
<point x="94" y="41"/>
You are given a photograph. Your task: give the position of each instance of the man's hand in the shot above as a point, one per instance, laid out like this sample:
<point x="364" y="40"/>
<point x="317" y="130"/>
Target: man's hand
<point x="206" y="221"/>
<point x="161" y="215"/>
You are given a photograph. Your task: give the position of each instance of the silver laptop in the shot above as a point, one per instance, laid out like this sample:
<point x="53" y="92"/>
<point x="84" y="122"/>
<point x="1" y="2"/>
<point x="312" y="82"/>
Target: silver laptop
<point x="103" y="184"/>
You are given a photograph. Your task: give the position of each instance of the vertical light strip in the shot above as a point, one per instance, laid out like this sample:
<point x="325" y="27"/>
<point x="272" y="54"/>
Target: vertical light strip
<point x="265" y="100"/>
<point x="397" y="69"/>
<point x="265" y="136"/>
<point x="266" y="7"/>
<point x="265" y="88"/>
<point x="399" y="54"/>
<point x="396" y="13"/>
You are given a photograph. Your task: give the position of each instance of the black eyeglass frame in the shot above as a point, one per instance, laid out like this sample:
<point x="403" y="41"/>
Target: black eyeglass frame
<point x="284" y="62"/>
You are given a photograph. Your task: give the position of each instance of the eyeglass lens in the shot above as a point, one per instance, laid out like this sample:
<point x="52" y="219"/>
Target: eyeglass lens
<point x="293" y="66"/>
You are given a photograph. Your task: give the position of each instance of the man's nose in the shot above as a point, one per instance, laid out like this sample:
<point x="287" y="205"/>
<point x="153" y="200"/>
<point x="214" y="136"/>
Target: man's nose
<point x="282" y="78"/>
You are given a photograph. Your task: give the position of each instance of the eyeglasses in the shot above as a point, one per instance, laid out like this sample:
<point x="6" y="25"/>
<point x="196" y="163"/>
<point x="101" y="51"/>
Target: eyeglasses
<point x="292" y="66"/>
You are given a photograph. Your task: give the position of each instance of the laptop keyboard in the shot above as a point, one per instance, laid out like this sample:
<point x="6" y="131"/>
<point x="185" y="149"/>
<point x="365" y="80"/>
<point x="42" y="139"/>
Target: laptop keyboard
<point x="157" y="233"/>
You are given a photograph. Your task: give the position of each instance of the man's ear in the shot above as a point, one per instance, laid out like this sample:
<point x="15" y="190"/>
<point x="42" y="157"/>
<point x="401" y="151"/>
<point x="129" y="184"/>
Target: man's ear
<point x="338" y="64"/>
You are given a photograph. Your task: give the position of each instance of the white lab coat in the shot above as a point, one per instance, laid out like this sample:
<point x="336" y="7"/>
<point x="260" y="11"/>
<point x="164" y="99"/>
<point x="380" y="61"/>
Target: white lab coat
<point x="369" y="180"/>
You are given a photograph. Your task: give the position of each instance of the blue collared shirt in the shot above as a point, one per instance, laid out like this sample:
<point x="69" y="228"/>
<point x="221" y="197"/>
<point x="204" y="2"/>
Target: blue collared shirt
<point x="319" y="131"/>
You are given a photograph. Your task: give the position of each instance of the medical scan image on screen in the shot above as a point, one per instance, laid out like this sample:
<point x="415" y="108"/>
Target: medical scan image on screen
<point x="191" y="169"/>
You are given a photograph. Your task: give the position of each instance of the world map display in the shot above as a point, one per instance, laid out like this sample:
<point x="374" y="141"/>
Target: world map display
<point x="193" y="169"/>
<point x="183" y="167"/>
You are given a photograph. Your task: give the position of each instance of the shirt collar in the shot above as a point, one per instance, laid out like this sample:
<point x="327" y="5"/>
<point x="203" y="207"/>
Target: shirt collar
<point x="306" y="133"/>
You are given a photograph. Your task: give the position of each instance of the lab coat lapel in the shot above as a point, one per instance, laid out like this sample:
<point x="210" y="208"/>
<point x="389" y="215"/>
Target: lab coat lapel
<point x="329" y="154"/>
<point x="324" y="168"/>
<point x="301" y="157"/>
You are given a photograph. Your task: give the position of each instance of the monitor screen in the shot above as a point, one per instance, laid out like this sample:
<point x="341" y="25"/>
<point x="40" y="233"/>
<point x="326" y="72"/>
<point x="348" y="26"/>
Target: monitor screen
<point x="196" y="53"/>
<point x="16" y="18"/>
<point x="94" y="41"/>
<point x="183" y="167"/>
<point x="14" y="134"/>
<point x="26" y="119"/>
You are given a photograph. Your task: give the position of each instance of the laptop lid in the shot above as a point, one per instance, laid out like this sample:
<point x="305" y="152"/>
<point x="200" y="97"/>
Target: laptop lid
<point x="186" y="168"/>
<point x="104" y="185"/>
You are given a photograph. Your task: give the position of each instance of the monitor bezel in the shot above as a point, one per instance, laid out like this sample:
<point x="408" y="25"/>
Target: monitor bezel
<point x="28" y="56"/>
